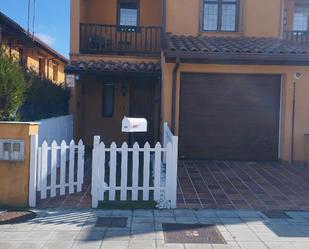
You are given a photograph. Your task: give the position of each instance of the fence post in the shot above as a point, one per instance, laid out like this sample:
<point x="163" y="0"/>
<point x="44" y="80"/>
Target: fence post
<point x="95" y="166"/>
<point x="164" y="135"/>
<point x="174" y="172"/>
<point x="80" y="165"/>
<point x="169" y="171"/>
<point x="165" y="129"/>
<point x="33" y="169"/>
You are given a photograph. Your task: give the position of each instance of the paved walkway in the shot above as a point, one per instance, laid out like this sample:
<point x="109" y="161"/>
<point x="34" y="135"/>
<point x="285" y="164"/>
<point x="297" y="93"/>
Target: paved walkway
<point x="242" y="185"/>
<point x="76" y="229"/>
<point x="224" y="185"/>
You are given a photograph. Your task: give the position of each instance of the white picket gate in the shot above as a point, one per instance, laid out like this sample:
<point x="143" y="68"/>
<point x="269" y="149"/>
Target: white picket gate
<point x="134" y="173"/>
<point x="60" y="168"/>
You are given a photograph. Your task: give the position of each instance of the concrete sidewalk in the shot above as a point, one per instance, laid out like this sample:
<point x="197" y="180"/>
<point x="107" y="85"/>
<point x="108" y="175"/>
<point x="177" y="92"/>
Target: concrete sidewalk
<point x="73" y="228"/>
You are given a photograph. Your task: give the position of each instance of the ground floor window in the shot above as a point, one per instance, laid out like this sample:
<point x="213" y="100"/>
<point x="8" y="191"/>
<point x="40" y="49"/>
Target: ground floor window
<point x="108" y="95"/>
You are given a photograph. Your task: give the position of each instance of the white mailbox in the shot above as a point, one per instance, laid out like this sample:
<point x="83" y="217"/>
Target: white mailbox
<point x="12" y="150"/>
<point x="134" y="125"/>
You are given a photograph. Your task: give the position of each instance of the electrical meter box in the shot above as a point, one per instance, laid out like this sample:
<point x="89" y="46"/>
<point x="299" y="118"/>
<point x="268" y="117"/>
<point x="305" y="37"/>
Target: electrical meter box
<point x="12" y="150"/>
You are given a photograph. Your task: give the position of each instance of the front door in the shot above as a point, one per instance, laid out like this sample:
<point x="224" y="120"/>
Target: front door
<point x="144" y="104"/>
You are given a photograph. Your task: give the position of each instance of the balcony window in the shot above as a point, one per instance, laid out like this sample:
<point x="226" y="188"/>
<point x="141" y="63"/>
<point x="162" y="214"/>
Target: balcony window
<point x="220" y="15"/>
<point x="128" y="11"/>
<point x="301" y="18"/>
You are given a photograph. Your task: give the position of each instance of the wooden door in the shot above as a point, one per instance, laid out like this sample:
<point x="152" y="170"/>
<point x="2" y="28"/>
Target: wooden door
<point x="143" y="105"/>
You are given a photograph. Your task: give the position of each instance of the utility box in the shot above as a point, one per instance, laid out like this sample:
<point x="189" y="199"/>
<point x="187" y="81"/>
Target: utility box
<point x="134" y="125"/>
<point x="15" y="150"/>
<point x="12" y="150"/>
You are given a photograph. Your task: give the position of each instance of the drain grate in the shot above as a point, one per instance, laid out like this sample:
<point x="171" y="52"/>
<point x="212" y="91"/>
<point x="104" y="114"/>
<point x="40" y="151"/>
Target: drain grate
<point x="192" y="233"/>
<point x="116" y="222"/>
<point x="276" y="214"/>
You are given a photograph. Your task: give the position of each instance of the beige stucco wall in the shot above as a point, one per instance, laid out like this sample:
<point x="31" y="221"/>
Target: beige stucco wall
<point x="287" y="72"/>
<point x="32" y="61"/>
<point x="261" y="18"/>
<point x="14" y="176"/>
<point x="105" y="12"/>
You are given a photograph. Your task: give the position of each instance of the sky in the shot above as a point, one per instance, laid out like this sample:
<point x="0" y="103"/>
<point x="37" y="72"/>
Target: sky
<point x="52" y="20"/>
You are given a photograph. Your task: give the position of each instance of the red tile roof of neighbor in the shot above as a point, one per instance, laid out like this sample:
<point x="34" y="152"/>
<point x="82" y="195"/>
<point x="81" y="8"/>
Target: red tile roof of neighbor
<point x="15" y="27"/>
<point x="233" y="49"/>
<point x="113" y="66"/>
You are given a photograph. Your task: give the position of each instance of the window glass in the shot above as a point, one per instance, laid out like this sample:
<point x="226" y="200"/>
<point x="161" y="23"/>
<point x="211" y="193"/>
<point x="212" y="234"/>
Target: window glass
<point x="220" y="15"/>
<point x="128" y="14"/>
<point x="108" y="92"/>
<point x="228" y="17"/>
<point x="210" y="16"/>
<point x="301" y="18"/>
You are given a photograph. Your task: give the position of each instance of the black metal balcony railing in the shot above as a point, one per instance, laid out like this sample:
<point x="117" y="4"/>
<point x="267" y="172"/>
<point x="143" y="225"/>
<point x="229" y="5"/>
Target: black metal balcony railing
<point x="100" y="39"/>
<point x="301" y="37"/>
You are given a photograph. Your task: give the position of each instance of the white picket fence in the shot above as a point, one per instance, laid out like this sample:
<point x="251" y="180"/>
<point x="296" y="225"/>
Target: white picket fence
<point x="56" y="129"/>
<point x="111" y="166"/>
<point x="60" y="167"/>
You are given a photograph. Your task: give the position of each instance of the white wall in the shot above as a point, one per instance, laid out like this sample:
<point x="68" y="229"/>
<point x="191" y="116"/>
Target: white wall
<point x="56" y="129"/>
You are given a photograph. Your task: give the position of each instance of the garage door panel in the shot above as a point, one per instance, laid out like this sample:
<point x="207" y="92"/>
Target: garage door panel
<point x="229" y="116"/>
<point x="234" y="120"/>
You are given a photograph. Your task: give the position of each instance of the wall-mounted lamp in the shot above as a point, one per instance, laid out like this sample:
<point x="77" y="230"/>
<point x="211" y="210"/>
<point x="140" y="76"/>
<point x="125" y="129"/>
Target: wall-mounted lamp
<point x="298" y="76"/>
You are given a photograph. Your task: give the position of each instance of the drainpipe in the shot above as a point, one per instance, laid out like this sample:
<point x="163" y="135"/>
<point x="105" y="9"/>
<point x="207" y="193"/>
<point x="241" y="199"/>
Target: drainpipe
<point x="164" y="16"/>
<point x="293" y="123"/>
<point x="174" y="87"/>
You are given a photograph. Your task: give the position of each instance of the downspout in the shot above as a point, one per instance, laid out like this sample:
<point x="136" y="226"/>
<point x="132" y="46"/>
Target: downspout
<point x="293" y="123"/>
<point x="174" y="88"/>
<point x="164" y="17"/>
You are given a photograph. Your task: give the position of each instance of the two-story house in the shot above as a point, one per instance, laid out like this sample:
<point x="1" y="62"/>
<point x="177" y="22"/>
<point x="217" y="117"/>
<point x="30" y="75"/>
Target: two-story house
<point x="220" y="72"/>
<point x="31" y="52"/>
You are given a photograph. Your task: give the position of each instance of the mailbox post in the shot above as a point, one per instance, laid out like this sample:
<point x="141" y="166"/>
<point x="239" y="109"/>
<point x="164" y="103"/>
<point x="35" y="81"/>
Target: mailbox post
<point x="132" y="125"/>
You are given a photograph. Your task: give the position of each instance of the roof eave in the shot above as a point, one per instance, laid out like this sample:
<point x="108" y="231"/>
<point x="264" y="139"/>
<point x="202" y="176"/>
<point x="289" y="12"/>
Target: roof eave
<point x="236" y="58"/>
<point x="102" y="72"/>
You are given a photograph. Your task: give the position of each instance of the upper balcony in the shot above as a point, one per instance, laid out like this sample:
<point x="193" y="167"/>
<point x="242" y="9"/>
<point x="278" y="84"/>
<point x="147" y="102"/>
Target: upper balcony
<point x="301" y="37"/>
<point x="121" y="27"/>
<point x="296" y="21"/>
<point x="121" y="40"/>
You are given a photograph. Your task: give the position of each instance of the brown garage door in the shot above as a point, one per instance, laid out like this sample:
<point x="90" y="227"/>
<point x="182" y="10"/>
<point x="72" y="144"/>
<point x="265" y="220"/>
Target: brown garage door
<point x="229" y="116"/>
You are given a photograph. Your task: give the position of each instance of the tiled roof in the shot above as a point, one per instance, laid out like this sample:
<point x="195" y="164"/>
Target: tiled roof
<point x="206" y="44"/>
<point x="113" y="66"/>
<point x="235" y="50"/>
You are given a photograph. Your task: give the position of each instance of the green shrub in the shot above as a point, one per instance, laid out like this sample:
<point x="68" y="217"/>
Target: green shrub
<point x="12" y="86"/>
<point x="43" y="99"/>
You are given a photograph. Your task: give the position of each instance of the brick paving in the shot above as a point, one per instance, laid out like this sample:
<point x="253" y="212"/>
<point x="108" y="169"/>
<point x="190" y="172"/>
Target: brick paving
<point x="242" y="185"/>
<point x="222" y="185"/>
<point x="76" y="200"/>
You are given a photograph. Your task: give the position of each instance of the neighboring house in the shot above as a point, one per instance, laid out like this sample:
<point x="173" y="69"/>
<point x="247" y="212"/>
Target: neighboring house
<point x="220" y="72"/>
<point x="31" y="51"/>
